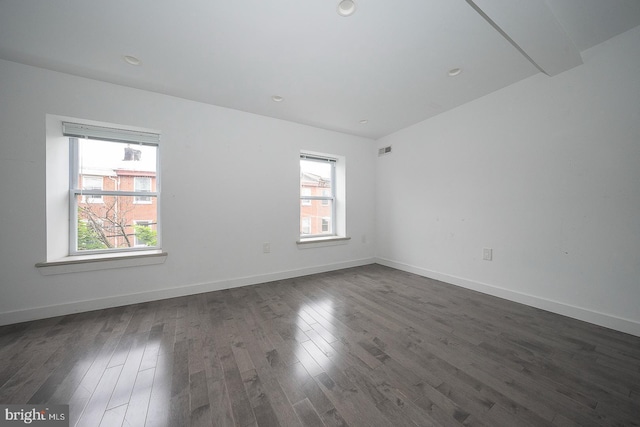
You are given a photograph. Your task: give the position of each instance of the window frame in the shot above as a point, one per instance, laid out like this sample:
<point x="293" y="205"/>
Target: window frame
<point x="75" y="132"/>
<point x="306" y="200"/>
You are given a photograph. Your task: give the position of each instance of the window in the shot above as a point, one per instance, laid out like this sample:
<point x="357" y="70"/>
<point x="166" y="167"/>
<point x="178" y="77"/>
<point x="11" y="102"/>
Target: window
<point x="90" y="182"/>
<point x="317" y="196"/>
<point x="113" y="188"/>
<point x="142" y="184"/>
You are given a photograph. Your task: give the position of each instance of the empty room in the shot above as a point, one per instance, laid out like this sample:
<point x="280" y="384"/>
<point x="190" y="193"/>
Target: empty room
<point x="320" y="213"/>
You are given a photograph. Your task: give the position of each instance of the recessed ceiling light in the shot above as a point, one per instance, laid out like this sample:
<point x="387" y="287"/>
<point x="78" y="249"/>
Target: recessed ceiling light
<point x="277" y="98"/>
<point x="364" y="121"/>
<point x="132" y="60"/>
<point x="346" y="7"/>
<point x="454" y="72"/>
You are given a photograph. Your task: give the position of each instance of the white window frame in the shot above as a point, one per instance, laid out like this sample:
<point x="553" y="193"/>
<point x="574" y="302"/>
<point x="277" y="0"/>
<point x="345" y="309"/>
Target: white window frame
<point x="305" y="200"/>
<point x="74" y="131"/>
<point x="142" y="200"/>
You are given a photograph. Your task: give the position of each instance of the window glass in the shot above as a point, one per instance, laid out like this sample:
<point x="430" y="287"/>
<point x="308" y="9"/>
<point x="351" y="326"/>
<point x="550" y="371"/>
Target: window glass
<point x="317" y="196"/>
<point x="116" y="199"/>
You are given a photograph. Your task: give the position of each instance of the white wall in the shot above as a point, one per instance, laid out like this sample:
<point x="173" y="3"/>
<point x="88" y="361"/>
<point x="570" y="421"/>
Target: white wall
<point x="546" y="172"/>
<point x="236" y="173"/>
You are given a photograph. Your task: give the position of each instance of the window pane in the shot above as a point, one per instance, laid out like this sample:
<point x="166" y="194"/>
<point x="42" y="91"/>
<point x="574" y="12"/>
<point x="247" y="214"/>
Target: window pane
<point x="112" y="224"/>
<point x="115" y="159"/>
<point x="107" y="222"/>
<point x="315" y="176"/>
<point x="316" y="218"/>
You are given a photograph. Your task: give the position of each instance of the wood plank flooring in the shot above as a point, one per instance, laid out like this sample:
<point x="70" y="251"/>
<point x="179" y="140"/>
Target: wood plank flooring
<point x="367" y="346"/>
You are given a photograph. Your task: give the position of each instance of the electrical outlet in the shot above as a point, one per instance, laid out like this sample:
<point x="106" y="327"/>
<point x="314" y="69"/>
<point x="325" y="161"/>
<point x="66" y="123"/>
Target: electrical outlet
<point x="487" y="254"/>
<point x="266" y="248"/>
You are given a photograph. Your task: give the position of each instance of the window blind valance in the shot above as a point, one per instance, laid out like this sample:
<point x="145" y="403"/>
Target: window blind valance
<point x="78" y="130"/>
<point x="317" y="158"/>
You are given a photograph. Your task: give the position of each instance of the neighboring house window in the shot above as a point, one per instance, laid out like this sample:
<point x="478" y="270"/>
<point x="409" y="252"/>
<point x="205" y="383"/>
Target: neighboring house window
<point x="305" y="227"/>
<point x="317" y="195"/>
<point x="144" y="233"/>
<point x="305" y="192"/>
<point x="142" y="184"/>
<point x="87" y="234"/>
<point x="90" y="183"/>
<point x="128" y="165"/>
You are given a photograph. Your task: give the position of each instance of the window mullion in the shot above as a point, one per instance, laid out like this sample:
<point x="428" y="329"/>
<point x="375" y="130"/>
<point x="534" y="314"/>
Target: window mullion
<point x="317" y="197"/>
<point x="83" y="192"/>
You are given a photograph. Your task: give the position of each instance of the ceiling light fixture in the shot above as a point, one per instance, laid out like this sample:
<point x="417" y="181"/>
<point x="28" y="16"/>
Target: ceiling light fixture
<point x="364" y="121"/>
<point x="131" y="60"/>
<point x="454" y="72"/>
<point x="277" y="98"/>
<point x="346" y="7"/>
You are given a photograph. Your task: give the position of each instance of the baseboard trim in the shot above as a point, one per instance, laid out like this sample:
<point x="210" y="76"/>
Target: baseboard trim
<point x="601" y="319"/>
<point x="29" y="314"/>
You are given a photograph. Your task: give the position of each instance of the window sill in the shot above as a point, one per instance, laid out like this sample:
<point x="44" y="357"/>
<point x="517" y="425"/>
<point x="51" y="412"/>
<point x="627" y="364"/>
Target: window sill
<point x="76" y="264"/>
<point x="319" y="242"/>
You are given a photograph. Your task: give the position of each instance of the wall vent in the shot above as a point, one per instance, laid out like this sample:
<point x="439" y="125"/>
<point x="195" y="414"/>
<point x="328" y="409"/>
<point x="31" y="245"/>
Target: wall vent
<point x="384" y="150"/>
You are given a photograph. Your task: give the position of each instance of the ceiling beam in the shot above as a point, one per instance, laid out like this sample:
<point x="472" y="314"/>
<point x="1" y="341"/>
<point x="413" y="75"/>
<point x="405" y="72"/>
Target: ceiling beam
<point x="531" y="27"/>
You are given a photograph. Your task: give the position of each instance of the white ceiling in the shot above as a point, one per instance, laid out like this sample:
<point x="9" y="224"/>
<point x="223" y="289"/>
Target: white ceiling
<point x="387" y="63"/>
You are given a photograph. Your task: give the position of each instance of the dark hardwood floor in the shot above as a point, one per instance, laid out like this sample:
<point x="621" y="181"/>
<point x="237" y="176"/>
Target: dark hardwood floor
<point x="367" y="346"/>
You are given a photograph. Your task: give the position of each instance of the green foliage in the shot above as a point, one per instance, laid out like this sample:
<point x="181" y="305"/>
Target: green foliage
<point x="88" y="237"/>
<point x="146" y="235"/>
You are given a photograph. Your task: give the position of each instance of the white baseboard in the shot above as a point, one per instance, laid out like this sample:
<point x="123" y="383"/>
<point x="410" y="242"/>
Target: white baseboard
<point x="608" y="321"/>
<point x="25" y="315"/>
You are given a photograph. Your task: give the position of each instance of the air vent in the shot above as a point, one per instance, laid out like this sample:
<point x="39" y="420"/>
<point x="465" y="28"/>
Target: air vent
<point x="384" y="150"/>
